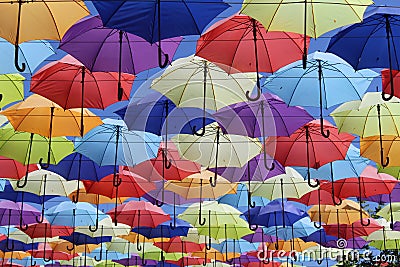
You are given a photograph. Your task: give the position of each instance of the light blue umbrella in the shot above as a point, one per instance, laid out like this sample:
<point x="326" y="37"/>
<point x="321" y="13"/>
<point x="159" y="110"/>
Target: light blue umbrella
<point x="239" y="200"/>
<point x="301" y="228"/>
<point x="32" y="53"/>
<point x="235" y="246"/>
<point x="352" y="166"/>
<point x="63" y="214"/>
<point x="327" y="81"/>
<point x="133" y="147"/>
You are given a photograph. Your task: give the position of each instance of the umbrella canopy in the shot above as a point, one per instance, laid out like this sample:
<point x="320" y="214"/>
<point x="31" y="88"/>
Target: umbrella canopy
<point x="190" y="80"/>
<point x="239" y="41"/>
<point x="347" y="212"/>
<point x="140" y="213"/>
<point x="16" y="145"/>
<point x="369" y="146"/>
<point x="95" y="46"/>
<point x="39" y="21"/>
<point x="158" y="22"/>
<point x="356" y="229"/>
<point x="47" y="230"/>
<point x="268" y="116"/>
<point x="85" y="88"/>
<point x="11" y="88"/>
<point x="102" y="141"/>
<point x="288" y="185"/>
<point x="39" y="115"/>
<point x="235" y="150"/>
<point x="10" y="168"/>
<point x="11" y="212"/>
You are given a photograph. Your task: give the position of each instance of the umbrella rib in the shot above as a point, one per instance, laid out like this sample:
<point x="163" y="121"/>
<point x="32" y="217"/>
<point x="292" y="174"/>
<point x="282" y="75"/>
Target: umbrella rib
<point x="109" y="34"/>
<point x="52" y="17"/>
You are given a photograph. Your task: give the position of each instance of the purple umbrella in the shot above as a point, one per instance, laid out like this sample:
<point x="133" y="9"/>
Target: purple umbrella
<point x="104" y="49"/>
<point x="11" y="213"/>
<point x="269" y="116"/>
<point x="134" y="260"/>
<point x="259" y="236"/>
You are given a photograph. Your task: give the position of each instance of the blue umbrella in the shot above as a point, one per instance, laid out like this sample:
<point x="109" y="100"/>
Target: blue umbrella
<point x="16" y="246"/>
<point x="372" y="43"/>
<point x="315" y="237"/>
<point x="239" y="200"/>
<point x="301" y="228"/>
<point x="152" y="113"/>
<point x="33" y="53"/>
<point x="113" y="138"/>
<point x="334" y="79"/>
<point x="273" y="215"/>
<point x="232" y="245"/>
<point x="81" y="239"/>
<point x="76" y="166"/>
<point x="155" y="20"/>
<point x="181" y="229"/>
<point x="73" y="214"/>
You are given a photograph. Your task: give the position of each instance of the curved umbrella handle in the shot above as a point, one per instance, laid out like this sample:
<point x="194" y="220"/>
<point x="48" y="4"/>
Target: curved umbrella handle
<point x="203" y="130"/>
<point x="213" y="180"/>
<point x="43" y="165"/>
<point x="383" y="162"/>
<point x="75" y="198"/>
<point x="365" y="224"/>
<point x="46" y="259"/>
<point x="253" y="227"/>
<point x="213" y="183"/>
<point x="33" y="262"/>
<point x="167" y="162"/>
<point x="24" y="180"/>
<point x="71" y="249"/>
<point x="16" y="60"/>
<point x="317" y="183"/>
<point x="158" y="203"/>
<point x="98" y="259"/>
<point x="41" y="217"/>
<point x="162" y="64"/>
<point x="269" y="168"/>
<point x="258" y="92"/>
<point x="337" y="203"/>
<point x="96" y="227"/>
<point x="138" y="246"/>
<point x="8" y="244"/>
<point x="328" y="133"/>
<point x="388" y="34"/>
<point x="251" y="203"/>
<point x="22" y="226"/>
<point x="319" y="261"/>
<point x="317" y="225"/>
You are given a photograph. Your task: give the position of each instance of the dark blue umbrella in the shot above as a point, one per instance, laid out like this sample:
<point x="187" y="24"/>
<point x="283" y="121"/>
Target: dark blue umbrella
<point x="372" y="43"/>
<point x="16" y="246"/>
<point x="81" y="239"/>
<point x="154" y="20"/>
<point x="164" y="230"/>
<point x="272" y="214"/>
<point x="77" y="166"/>
<point x="152" y="113"/>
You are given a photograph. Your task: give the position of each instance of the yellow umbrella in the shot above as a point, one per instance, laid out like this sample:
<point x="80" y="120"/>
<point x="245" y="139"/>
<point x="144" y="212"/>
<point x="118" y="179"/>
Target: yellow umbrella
<point x="311" y="18"/>
<point x="22" y="21"/>
<point x="346" y="213"/>
<point x="295" y="244"/>
<point x="94" y="198"/>
<point x="197" y="186"/>
<point x="370" y="147"/>
<point x="39" y="115"/>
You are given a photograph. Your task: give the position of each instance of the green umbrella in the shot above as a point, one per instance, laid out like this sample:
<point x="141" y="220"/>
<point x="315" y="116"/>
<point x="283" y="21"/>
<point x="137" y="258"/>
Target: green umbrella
<point x="30" y="148"/>
<point x="11" y="88"/>
<point x="393" y="171"/>
<point x="108" y="263"/>
<point x="371" y="116"/>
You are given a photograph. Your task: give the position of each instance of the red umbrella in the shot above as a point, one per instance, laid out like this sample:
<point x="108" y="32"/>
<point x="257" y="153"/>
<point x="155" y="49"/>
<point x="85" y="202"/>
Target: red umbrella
<point x="353" y="230"/>
<point x="176" y="244"/>
<point x="61" y="82"/>
<point x="241" y="44"/>
<point x="308" y="147"/>
<point x="386" y="84"/>
<point x="370" y="183"/>
<point x="13" y="169"/>
<point x="317" y="197"/>
<point x="188" y="261"/>
<point x="154" y="170"/>
<point x="140" y="213"/>
<point x="45" y="229"/>
<point x="129" y="185"/>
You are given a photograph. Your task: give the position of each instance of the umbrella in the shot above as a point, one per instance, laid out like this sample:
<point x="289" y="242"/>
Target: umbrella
<point x="94" y="45"/>
<point x="114" y="137"/>
<point x="86" y="89"/>
<point x="176" y="244"/>
<point x="158" y="22"/>
<point x="353" y="230"/>
<point x="301" y="228"/>
<point x="32" y="148"/>
<point x="378" y="29"/>
<point x="203" y="80"/>
<point x="309" y="18"/>
<point x="32" y="53"/>
<point x="235" y="150"/>
<point x="44" y="183"/>
<point x="369" y="117"/>
<point x="77" y="166"/>
<point x="38" y="21"/>
<point x="311" y="142"/>
<point x="390" y="144"/>
<point x="277" y="119"/>
<point x="139" y="213"/>
<point x="347" y="212"/>
<point x="326" y="72"/>
<point x="10" y="168"/>
<point x="389" y="78"/>
<point x="241" y="44"/>
<point x="11" y="88"/>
